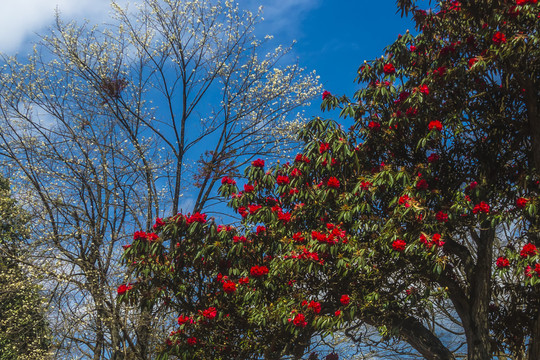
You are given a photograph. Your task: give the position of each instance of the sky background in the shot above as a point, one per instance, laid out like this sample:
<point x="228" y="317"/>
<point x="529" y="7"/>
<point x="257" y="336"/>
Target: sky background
<point x="333" y="37"/>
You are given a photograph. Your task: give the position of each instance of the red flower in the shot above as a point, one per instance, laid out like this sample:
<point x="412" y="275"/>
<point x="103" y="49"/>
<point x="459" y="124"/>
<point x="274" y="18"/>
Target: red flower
<point x="253" y="209"/>
<point x="209" y="313"/>
<point x="399" y="245"/>
<point x="389" y="69"/>
<point x="364" y="185"/>
<point x="184" y="319"/>
<point x="125" y="247"/>
<point x="258" y="271"/>
<point x="301" y="158"/>
<point x="316" y="306"/>
<point x="324" y="147"/>
<point x="424" y="89"/>
<point x="244" y="280"/>
<point x="123" y="288"/>
<point x="528" y="250"/>
<point x="159" y="223"/>
<point x="404" y="200"/>
<point x="435" y="125"/>
<point x="295" y="172"/>
<point x="260" y="229"/>
<point x="282" y="179"/>
<point x="258" y="163"/>
<point x="499" y="38"/>
<point x="229" y="287"/>
<point x="248" y="188"/>
<point x="521" y="203"/>
<point x="299" y="320"/>
<point x="197" y="217"/>
<point x="192" y="341"/>
<point x="482" y="207"/>
<point x="523" y="2"/>
<point x="345" y="300"/>
<point x="337" y="313"/>
<point x="298" y="237"/>
<point x="227" y="180"/>
<point x="326" y="94"/>
<point x="502" y="262"/>
<point x="373" y="125"/>
<point x="333" y="182"/>
<point x="472" y="61"/>
<point x="441" y="217"/>
<point x="436" y="239"/>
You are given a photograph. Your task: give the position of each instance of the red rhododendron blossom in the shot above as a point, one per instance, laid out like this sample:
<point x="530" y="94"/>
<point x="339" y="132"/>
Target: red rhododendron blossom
<point x="184" y="319"/>
<point x="436" y="239"/>
<point x="295" y="172"/>
<point x="298" y="237"/>
<point x="502" y="262"/>
<point x="422" y="184"/>
<point x="537" y="269"/>
<point x="197" y="217"/>
<point x="399" y="245"/>
<point x="122" y="289"/>
<point x="435" y="125"/>
<point x="260" y="230"/>
<point x="373" y="125"/>
<point x="521" y="203"/>
<point x="324" y="147"/>
<point x="528" y="250"/>
<point x="333" y="182"/>
<point x="315" y="306"/>
<point x="301" y="158"/>
<point x="528" y="271"/>
<point x="389" y="69"/>
<point x="209" y="313"/>
<point x="243" y="280"/>
<point x="337" y="313"/>
<point x="282" y="180"/>
<point x="441" y="217"/>
<point x="227" y="180"/>
<point x="192" y="341"/>
<point x="472" y="61"/>
<point x="248" y="188"/>
<point x="499" y="38"/>
<point x="326" y="94"/>
<point x="299" y="320"/>
<point x="237" y="239"/>
<point x="258" y="271"/>
<point x="242" y="211"/>
<point x="364" y="185"/>
<point x="345" y="300"/>
<point x="524" y="2"/>
<point x="229" y="287"/>
<point x="253" y="209"/>
<point x="481" y="208"/>
<point x="159" y="223"/>
<point x="404" y="200"/>
<point x="151" y="237"/>
<point x="139" y="235"/>
<point x="258" y="163"/>
<point x="424" y="89"/>
<point x="284" y="216"/>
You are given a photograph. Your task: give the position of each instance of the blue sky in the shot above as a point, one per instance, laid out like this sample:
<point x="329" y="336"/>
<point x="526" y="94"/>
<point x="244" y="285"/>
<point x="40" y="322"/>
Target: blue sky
<point x="333" y="37"/>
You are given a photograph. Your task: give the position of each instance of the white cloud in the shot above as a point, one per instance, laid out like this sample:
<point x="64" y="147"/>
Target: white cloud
<point x="21" y="19"/>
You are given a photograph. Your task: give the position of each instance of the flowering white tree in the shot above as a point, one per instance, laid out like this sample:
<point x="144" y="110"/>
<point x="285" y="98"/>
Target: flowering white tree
<point x="105" y="128"/>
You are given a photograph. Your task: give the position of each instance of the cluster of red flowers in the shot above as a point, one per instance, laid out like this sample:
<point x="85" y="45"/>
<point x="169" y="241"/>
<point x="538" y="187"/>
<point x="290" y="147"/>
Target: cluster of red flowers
<point x="373" y="125"/>
<point x="422" y="184"/>
<point x="302" y="159"/>
<point x="404" y="200"/>
<point x="435" y="125"/>
<point x="441" y="216"/>
<point x="313" y="305"/>
<point x="308" y="255"/>
<point x="299" y="320"/>
<point x="258" y="163"/>
<point x="122" y="289"/>
<point x="248" y="188"/>
<point x="399" y="245"/>
<point x="141" y="235"/>
<point x="524" y="2"/>
<point x="324" y="147"/>
<point x="196" y="217"/>
<point x="481" y="208"/>
<point x="209" y="313"/>
<point x="333" y="182"/>
<point x="345" y="300"/>
<point x="389" y="69"/>
<point x="258" y="271"/>
<point x="528" y="250"/>
<point x="499" y="38"/>
<point x="502" y="262"/>
<point x="529" y="270"/>
<point x="158" y="224"/>
<point x="282" y="179"/>
<point x="326" y="94"/>
<point x="184" y="319"/>
<point x="229" y="287"/>
<point x="521" y="203"/>
<point x="435" y="240"/>
<point x="227" y="180"/>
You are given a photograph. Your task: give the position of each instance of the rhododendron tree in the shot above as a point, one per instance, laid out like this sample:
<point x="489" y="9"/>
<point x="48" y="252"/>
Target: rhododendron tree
<point x="382" y="231"/>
